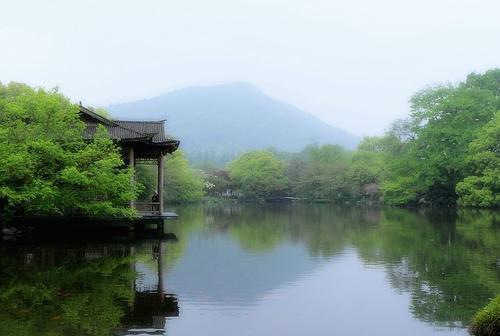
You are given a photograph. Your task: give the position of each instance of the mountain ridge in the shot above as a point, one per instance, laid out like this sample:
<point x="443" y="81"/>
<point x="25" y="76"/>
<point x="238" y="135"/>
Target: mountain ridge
<point x="232" y="118"/>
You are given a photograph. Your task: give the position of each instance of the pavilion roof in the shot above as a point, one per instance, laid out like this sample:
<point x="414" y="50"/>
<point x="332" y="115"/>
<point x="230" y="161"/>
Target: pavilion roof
<point x="154" y="128"/>
<point x="152" y="132"/>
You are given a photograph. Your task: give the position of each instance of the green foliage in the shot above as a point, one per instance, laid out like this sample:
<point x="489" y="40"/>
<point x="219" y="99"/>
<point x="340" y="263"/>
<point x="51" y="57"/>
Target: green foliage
<point x="482" y="188"/>
<point x="182" y="183"/>
<point x="487" y="321"/>
<point x="325" y="172"/>
<point x="400" y="191"/>
<point x="331" y="173"/>
<point x="318" y="172"/>
<point x="435" y="144"/>
<point x="46" y="167"/>
<point x="258" y="174"/>
<point x="147" y="176"/>
<point x="366" y="171"/>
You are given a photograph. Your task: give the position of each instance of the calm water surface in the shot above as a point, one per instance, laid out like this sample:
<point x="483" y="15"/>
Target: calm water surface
<point x="261" y="270"/>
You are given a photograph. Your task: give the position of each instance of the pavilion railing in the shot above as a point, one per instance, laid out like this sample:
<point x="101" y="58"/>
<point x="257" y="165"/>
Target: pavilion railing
<point x="147" y="207"/>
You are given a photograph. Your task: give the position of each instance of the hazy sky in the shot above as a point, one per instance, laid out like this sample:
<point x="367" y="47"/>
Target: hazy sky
<point x="353" y="63"/>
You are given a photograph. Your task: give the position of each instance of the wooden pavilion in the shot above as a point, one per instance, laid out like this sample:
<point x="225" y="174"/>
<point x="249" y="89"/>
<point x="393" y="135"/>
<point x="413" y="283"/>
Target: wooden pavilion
<point x="140" y="141"/>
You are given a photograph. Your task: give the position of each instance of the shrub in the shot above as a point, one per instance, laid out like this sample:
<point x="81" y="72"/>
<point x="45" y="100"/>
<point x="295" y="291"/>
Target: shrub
<point x="486" y="322"/>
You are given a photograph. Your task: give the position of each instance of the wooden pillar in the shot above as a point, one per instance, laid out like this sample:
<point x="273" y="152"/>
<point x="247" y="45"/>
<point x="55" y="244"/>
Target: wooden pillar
<point x="131" y="164"/>
<point x="160" y="270"/>
<point x="132" y="266"/>
<point x="160" y="181"/>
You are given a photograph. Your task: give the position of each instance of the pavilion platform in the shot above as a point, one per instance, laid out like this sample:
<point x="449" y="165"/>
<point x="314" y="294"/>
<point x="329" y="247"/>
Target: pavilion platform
<point x="151" y="210"/>
<point x="158" y="215"/>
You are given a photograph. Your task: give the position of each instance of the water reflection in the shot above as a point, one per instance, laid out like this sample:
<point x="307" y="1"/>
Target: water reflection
<point x="81" y="290"/>
<point x="445" y="262"/>
<point x="261" y="270"/>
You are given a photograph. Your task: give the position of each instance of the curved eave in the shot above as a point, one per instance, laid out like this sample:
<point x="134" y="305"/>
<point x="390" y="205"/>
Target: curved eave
<point x="170" y="146"/>
<point x="146" y="140"/>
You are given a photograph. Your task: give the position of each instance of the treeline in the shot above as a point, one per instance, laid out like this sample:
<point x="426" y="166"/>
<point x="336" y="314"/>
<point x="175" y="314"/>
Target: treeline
<point x="318" y="173"/>
<point x="447" y="152"/>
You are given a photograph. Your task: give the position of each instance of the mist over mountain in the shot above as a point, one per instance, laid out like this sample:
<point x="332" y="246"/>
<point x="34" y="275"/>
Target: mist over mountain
<point x="232" y="118"/>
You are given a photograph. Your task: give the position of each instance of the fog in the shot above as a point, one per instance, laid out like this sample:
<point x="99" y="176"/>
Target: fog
<point x="354" y="64"/>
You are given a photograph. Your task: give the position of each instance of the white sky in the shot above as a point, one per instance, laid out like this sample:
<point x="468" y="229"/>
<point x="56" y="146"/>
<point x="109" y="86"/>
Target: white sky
<point x="353" y="63"/>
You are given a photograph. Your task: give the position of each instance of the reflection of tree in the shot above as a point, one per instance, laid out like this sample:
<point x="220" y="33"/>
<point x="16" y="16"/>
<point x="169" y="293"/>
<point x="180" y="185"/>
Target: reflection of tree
<point x="62" y="292"/>
<point x="445" y="261"/>
<point x="326" y="230"/>
<point x="87" y="290"/>
<point x="448" y="274"/>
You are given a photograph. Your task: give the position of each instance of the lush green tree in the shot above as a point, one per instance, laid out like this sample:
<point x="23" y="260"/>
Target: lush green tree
<point x="392" y="143"/>
<point x="325" y="172"/>
<point x="147" y="176"/>
<point x="361" y="180"/>
<point x="482" y="188"/>
<point x="444" y="120"/>
<point x="369" y="165"/>
<point x="46" y="167"/>
<point x="182" y="183"/>
<point x="320" y="171"/>
<point x="258" y="174"/>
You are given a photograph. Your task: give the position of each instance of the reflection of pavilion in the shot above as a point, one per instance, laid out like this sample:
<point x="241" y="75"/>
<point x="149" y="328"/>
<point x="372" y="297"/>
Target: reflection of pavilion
<point x="149" y="312"/>
<point x="150" y="307"/>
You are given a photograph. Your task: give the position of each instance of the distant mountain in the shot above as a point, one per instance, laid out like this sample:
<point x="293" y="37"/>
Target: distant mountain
<point x="232" y="118"/>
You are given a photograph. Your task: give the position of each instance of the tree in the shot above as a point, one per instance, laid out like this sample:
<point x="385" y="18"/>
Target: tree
<point x="319" y="172"/>
<point x="364" y="175"/>
<point x="258" y="174"/>
<point x="444" y="120"/>
<point x="182" y="183"/>
<point x="482" y="188"/>
<point x="46" y="167"/>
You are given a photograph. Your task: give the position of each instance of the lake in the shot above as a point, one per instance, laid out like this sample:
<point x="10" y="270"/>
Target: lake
<point x="259" y="270"/>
